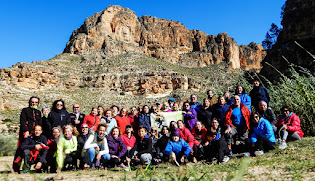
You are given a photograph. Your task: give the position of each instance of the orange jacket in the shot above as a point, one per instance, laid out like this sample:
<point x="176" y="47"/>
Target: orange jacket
<point x="245" y="112"/>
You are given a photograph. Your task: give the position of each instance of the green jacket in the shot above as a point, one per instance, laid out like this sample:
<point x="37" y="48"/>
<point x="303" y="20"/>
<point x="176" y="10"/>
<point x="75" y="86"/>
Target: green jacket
<point x="64" y="147"/>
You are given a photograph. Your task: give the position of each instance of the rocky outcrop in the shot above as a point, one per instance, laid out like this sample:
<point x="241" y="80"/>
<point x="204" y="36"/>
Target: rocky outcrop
<point x="298" y="25"/>
<point x="116" y="30"/>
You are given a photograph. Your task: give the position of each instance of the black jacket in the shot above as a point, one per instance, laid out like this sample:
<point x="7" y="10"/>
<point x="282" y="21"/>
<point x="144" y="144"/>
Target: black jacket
<point x="161" y="144"/>
<point x="29" y="118"/>
<point x="81" y="141"/>
<point x="143" y="146"/>
<point x="31" y="141"/>
<point x="58" y="118"/>
<point x="46" y="127"/>
<point x="73" y="117"/>
<point x="205" y="116"/>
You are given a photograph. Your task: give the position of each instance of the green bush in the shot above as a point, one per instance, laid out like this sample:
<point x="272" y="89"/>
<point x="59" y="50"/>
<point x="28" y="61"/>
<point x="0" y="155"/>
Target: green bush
<point x="7" y="145"/>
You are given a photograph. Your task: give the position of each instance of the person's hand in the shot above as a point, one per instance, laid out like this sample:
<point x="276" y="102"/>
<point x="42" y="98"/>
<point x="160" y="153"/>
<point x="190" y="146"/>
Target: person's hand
<point x="97" y="148"/>
<point x="182" y="159"/>
<point x="128" y="148"/>
<point x="114" y="156"/>
<point x="76" y="121"/>
<point x="98" y="157"/>
<point x="207" y="143"/>
<point x="38" y="147"/>
<point x="58" y="170"/>
<point x="228" y="130"/>
<point x="128" y="160"/>
<point x="38" y="165"/>
<point x="184" y="112"/>
<point x="26" y="134"/>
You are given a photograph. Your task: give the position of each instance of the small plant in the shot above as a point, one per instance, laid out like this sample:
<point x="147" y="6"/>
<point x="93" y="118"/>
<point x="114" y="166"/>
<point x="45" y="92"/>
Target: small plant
<point x="7" y="145"/>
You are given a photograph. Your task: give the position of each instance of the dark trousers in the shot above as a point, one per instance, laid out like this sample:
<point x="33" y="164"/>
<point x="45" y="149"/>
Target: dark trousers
<point x="216" y="149"/>
<point x="28" y="160"/>
<point x="113" y="162"/>
<point x="71" y="159"/>
<point x="50" y="164"/>
<point x="264" y="144"/>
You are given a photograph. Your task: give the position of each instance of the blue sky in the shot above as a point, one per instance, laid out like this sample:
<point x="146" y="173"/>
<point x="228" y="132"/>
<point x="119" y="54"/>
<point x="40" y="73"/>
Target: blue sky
<point x="33" y="30"/>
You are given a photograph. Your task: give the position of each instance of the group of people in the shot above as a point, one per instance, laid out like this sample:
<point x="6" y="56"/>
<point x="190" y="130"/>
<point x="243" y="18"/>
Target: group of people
<point x="213" y="131"/>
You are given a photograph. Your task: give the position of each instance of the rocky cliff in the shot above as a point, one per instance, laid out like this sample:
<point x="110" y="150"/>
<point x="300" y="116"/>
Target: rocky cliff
<point x="116" y="30"/>
<point x="298" y="25"/>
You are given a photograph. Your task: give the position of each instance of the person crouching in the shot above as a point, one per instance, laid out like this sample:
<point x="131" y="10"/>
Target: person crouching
<point x="35" y="150"/>
<point x="177" y="149"/>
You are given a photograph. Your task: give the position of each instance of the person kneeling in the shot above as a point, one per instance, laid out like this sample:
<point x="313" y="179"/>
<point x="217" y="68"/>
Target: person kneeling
<point x="177" y="149"/>
<point x="35" y="150"/>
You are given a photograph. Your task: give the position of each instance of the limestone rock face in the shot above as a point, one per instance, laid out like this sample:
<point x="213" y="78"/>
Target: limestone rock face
<point x="116" y="30"/>
<point x="298" y="25"/>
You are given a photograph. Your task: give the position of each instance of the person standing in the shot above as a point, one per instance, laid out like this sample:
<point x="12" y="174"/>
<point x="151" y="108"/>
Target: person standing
<point x="59" y="115"/>
<point x="76" y="117"/>
<point x="194" y="103"/>
<point x="29" y="118"/>
<point x="213" y="100"/>
<point x="258" y="93"/>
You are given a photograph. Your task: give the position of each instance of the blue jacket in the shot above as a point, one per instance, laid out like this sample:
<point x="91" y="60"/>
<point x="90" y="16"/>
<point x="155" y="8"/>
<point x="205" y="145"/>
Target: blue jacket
<point x="144" y="119"/>
<point x="177" y="147"/>
<point x="246" y="100"/>
<point x="219" y="113"/>
<point x="259" y="93"/>
<point x="196" y="106"/>
<point x="265" y="129"/>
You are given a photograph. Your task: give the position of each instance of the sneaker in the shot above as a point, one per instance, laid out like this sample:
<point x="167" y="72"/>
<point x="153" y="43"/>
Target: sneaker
<point x="247" y="154"/>
<point x="225" y="159"/>
<point x="122" y="165"/>
<point x="283" y="145"/>
<point x="259" y="153"/>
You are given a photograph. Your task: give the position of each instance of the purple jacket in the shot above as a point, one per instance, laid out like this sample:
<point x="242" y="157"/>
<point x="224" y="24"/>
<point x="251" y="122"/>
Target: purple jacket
<point x="190" y="118"/>
<point x="116" y="146"/>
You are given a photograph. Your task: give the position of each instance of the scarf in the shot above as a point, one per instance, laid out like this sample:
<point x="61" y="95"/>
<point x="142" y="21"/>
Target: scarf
<point x="33" y="107"/>
<point x="69" y="138"/>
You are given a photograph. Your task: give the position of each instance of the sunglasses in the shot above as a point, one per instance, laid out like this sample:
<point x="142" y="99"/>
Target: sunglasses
<point x="59" y="105"/>
<point x="186" y="105"/>
<point x="34" y="102"/>
<point x="85" y="127"/>
<point x="256" y="116"/>
<point x="153" y="130"/>
<point x="76" y="107"/>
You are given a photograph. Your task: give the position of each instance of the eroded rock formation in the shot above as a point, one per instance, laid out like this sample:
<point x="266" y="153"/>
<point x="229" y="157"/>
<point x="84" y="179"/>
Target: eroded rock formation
<point x="116" y="30"/>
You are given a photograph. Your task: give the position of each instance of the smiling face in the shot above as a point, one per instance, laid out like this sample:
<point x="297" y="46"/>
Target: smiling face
<point x="100" y="111"/>
<point x="59" y="105"/>
<point x="146" y="109"/>
<point x="38" y="130"/>
<point x="237" y="101"/>
<point x="239" y="90"/>
<point x="56" y="133"/>
<point x="285" y="112"/>
<point x="176" y="107"/>
<point x="263" y="105"/>
<point x="76" y="108"/>
<point x="68" y="133"/>
<point x="186" y="106"/>
<point x="193" y="98"/>
<point x="108" y="114"/>
<point x="34" y="102"/>
<point x="210" y="94"/>
<point x="255" y="83"/>
<point x="115" y="132"/>
<point x="206" y="103"/>
<point x="255" y="118"/>
<point x="198" y="125"/>
<point x="94" y="112"/>
<point x="165" y="130"/>
<point x="46" y="111"/>
<point x="215" y="124"/>
<point x="142" y="132"/>
<point x="222" y="100"/>
<point x="180" y="124"/>
<point x="153" y="131"/>
<point x="101" y="131"/>
<point x="84" y="129"/>
<point x="175" y="138"/>
<point x="123" y="112"/>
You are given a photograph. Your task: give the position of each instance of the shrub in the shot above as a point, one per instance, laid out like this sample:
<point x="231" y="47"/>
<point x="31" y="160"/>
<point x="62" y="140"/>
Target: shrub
<point x="7" y="145"/>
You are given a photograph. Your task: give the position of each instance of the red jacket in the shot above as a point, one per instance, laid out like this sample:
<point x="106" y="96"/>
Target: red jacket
<point x="129" y="142"/>
<point x="293" y="124"/>
<point x="90" y="120"/>
<point x="134" y="121"/>
<point x="52" y="146"/>
<point x="122" y="122"/>
<point x="203" y="133"/>
<point x="245" y="112"/>
<point x="186" y="135"/>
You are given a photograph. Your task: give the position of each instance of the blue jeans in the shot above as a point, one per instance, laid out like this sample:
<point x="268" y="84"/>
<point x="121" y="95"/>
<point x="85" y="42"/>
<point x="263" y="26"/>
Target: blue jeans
<point x="91" y="155"/>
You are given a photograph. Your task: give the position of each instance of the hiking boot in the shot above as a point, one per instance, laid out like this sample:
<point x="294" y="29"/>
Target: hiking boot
<point x="259" y="153"/>
<point x="283" y="145"/>
<point x="225" y="159"/>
